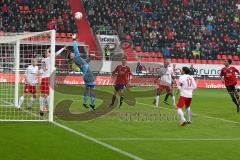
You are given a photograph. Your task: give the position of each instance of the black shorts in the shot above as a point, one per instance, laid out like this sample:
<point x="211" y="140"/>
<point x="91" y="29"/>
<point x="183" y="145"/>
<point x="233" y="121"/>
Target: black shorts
<point x="231" y="88"/>
<point x="118" y="87"/>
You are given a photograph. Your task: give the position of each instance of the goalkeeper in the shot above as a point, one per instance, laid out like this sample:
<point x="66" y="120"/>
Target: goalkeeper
<point x="87" y="73"/>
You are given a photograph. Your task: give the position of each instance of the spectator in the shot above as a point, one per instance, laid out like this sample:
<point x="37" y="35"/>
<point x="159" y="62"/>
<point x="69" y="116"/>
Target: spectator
<point x="139" y="68"/>
<point x="166" y="52"/>
<point x="107" y="53"/>
<point x="194" y="23"/>
<point x="193" y="71"/>
<point x="36" y="16"/>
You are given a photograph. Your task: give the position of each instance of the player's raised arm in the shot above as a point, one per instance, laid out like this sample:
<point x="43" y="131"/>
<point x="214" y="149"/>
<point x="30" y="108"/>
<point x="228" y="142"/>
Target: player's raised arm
<point x="75" y="46"/>
<point x="77" y="56"/>
<point x="60" y="51"/>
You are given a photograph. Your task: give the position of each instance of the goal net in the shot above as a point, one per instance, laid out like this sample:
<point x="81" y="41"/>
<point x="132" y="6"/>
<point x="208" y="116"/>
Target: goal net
<point x="21" y="75"/>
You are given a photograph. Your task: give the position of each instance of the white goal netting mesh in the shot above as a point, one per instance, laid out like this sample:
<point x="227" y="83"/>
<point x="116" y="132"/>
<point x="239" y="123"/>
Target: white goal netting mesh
<point x="20" y="98"/>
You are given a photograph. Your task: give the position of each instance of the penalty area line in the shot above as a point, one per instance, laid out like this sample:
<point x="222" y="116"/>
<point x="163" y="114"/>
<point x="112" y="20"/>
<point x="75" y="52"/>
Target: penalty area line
<point x="168" y="139"/>
<point x="130" y="155"/>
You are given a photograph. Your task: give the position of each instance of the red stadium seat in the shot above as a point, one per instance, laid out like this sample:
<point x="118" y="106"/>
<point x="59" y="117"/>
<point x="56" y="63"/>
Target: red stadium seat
<point x="180" y="60"/>
<point x="235" y="58"/>
<point x="224" y="57"/>
<point x="138" y="48"/>
<point x="198" y="61"/>
<point x="219" y="56"/>
<point x="160" y="54"/>
<point x="210" y="61"/>
<point x="220" y="61"/>
<point x="68" y="35"/>
<point x="234" y="63"/>
<point x="215" y="61"/>
<point x="185" y="60"/>
<point x="229" y="56"/>
<point x="58" y="35"/>
<point x="192" y="61"/>
<point x="161" y="59"/>
<point x="26" y="8"/>
<point x="204" y="61"/>
<point x="150" y="59"/>
<point x="154" y="54"/>
<point x="174" y="60"/>
<point x="63" y="35"/>
<point x="143" y="59"/>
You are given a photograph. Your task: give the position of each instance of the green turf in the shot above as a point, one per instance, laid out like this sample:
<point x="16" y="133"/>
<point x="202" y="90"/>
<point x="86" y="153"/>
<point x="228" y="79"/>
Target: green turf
<point x="206" y="138"/>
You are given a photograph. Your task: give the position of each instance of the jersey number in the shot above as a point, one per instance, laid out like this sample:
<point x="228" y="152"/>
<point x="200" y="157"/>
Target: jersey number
<point x="189" y="82"/>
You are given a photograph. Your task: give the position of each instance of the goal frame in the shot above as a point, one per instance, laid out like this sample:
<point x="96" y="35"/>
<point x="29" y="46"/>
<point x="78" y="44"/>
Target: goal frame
<point x="17" y="43"/>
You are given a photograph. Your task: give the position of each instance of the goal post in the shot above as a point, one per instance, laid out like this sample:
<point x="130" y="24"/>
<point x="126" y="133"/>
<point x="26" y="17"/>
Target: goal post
<point x="16" y="52"/>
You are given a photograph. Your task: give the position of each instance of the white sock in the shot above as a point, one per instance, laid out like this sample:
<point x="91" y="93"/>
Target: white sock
<point x="157" y="101"/>
<point x="188" y="112"/>
<point x="21" y="99"/>
<point x="180" y="113"/>
<point x="173" y="100"/>
<point x="42" y="103"/>
<point x="47" y="101"/>
<point x="30" y="102"/>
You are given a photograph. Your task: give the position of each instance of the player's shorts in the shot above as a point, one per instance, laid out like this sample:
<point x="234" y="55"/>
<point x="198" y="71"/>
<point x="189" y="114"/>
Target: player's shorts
<point x="90" y="84"/>
<point x="162" y="87"/>
<point x="183" y="101"/>
<point x="29" y="89"/>
<point x="118" y="87"/>
<point x="231" y="88"/>
<point x="44" y="87"/>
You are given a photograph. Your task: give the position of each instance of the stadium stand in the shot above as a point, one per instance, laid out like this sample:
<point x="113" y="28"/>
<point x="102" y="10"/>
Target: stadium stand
<point x="37" y="15"/>
<point x="201" y="31"/>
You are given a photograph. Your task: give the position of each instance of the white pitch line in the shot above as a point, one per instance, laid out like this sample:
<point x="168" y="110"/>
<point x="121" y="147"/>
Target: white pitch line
<point x="130" y="155"/>
<point x="26" y="111"/>
<point x="209" y="117"/>
<point x="168" y="139"/>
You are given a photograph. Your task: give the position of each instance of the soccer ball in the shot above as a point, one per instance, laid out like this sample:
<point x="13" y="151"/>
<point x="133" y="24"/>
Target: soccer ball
<point x="78" y="15"/>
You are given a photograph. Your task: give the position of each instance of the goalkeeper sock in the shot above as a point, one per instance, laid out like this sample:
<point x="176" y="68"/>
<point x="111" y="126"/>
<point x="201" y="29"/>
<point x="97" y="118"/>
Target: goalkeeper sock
<point x="180" y="113"/>
<point x="113" y="100"/>
<point x="85" y="97"/>
<point x="21" y="99"/>
<point x="92" y="99"/>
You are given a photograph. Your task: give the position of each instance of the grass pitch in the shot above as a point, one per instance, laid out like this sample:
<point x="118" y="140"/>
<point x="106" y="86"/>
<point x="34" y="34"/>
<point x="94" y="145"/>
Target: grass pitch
<point x="214" y="133"/>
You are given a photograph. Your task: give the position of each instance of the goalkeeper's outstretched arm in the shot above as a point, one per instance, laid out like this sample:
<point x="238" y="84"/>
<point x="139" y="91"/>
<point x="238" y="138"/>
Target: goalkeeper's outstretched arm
<point x="77" y="55"/>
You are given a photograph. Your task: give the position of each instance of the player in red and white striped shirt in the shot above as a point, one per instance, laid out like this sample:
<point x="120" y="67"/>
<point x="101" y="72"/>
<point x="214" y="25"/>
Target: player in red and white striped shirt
<point x="30" y="84"/>
<point x="186" y="85"/>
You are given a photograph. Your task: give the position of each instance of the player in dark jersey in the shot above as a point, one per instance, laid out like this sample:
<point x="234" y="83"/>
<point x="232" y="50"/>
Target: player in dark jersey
<point x="228" y="76"/>
<point x="123" y="74"/>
